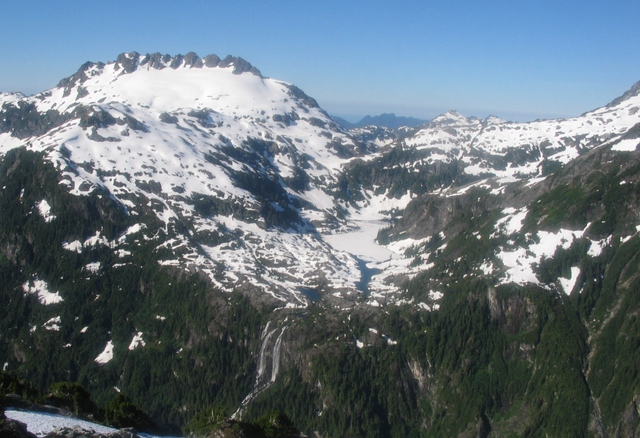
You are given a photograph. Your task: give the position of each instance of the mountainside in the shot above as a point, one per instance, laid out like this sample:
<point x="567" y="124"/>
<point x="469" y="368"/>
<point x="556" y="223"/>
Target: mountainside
<point x="200" y="236"/>
<point x="390" y="121"/>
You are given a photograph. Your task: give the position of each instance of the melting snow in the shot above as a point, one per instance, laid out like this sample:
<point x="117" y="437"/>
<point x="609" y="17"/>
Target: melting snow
<point x="512" y="222"/>
<point x="597" y="247"/>
<point x="106" y="355"/>
<point x="45" y="211"/>
<point x="76" y="246"/>
<point x="53" y="324"/>
<point x="627" y="145"/>
<point x="137" y="340"/>
<point x="40" y="288"/>
<point x="569" y="283"/>
<point x="521" y="261"/>
<point x="40" y="423"/>
<point x="92" y="267"/>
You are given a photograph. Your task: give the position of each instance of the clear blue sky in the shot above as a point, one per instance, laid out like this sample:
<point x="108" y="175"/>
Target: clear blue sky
<point x="519" y="60"/>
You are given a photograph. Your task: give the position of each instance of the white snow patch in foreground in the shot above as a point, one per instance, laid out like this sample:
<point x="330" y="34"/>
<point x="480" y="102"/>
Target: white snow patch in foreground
<point x="40" y="288"/>
<point x="569" y="284"/>
<point x="41" y="423"/>
<point x="106" y="355"/>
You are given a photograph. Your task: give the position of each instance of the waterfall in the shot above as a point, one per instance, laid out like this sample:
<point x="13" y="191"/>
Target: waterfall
<point x="269" y="356"/>
<point x="276" y="356"/>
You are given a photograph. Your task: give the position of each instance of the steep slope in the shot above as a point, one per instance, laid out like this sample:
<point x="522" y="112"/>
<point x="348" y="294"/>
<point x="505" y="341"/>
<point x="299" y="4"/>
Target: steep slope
<point x="458" y="163"/>
<point x="201" y="237"/>
<point x="217" y="151"/>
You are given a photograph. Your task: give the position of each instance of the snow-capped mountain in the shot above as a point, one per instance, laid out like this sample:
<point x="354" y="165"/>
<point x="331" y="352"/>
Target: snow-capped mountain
<point x="493" y="146"/>
<point x="245" y="173"/>
<point x="211" y="145"/>
<point x="170" y="220"/>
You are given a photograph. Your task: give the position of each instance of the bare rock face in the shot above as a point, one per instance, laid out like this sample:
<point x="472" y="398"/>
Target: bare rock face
<point x="13" y="429"/>
<point x="78" y="432"/>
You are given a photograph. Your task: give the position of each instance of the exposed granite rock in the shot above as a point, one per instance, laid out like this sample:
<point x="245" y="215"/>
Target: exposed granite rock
<point x="301" y="95"/>
<point x="78" y="432"/>
<point x="168" y="118"/>
<point x="78" y="77"/>
<point x="92" y="118"/>
<point x="176" y="61"/>
<point x="211" y="61"/>
<point x="156" y="60"/>
<point x="24" y="120"/>
<point x="128" y="61"/>
<point x="239" y="65"/>
<point x="14" y="429"/>
<point x="192" y="60"/>
<point x="633" y="91"/>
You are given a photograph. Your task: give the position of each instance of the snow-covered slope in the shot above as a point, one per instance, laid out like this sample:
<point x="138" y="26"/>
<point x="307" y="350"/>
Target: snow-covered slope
<point x="171" y="132"/>
<point x="253" y="183"/>
<point x="496" y="147"/>
<point x="41" y="423"/>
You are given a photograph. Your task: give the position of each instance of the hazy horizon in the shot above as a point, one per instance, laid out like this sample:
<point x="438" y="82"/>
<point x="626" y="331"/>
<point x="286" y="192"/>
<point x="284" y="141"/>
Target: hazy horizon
<point x="518" y="61"/>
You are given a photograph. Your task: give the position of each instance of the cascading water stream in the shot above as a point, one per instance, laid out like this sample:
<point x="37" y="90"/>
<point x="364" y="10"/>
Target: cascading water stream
<point x="267" y="352"/>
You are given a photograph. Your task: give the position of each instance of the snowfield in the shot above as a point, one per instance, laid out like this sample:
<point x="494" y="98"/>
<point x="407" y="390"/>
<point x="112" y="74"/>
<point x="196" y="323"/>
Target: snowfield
<point x="169" y="136"/>
<point x="41" y="423"/>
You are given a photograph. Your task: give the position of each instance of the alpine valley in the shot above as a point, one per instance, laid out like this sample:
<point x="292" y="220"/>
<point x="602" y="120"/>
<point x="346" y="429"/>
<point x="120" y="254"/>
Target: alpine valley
<point x="204" y="239"/>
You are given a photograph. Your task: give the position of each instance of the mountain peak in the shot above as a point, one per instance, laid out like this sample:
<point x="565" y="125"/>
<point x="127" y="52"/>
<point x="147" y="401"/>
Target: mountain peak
<point x="132" y="61"/>
<point x="632" y="92"/>
<point x="451" y="117"/>
<point x="387" y="120"/>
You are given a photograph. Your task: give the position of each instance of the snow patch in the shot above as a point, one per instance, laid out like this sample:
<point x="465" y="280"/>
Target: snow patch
<point x="520" y="262"/>
<point x="627" y="145"/>
<point x="76" y="246"/>
<point x="596" y="247"/>
<point x="106" y="355"/>
<point x="40" y="288"/>
<point x="137" y="340"/>
<point x="40" y="423"/>
<point x="92" y="267"/>
<point x="569" y="283"/>
<point x="45" y="211"/>
<point x="53" y="324"/>
<point x="512" y="222"/>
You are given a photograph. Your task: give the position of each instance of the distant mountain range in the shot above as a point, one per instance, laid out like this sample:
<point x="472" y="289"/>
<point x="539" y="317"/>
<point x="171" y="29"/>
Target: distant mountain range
<point x="202" y="238"/>
<point x="390" y="121"/>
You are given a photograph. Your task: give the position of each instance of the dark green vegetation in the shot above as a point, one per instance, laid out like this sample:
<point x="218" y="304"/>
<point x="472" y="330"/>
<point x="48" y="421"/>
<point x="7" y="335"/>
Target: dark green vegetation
<point x="493" y="361"/>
